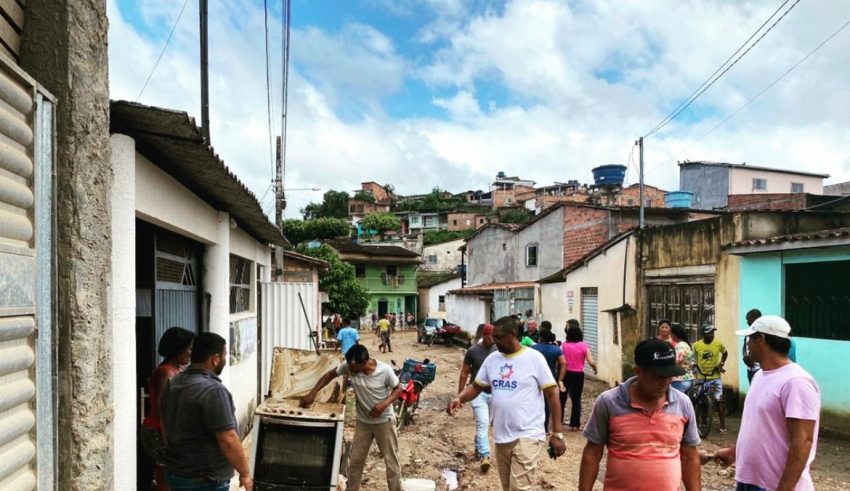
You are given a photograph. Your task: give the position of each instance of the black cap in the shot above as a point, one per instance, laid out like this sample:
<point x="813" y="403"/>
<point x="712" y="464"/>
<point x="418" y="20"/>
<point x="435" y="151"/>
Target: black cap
<point x="658" y="357"/>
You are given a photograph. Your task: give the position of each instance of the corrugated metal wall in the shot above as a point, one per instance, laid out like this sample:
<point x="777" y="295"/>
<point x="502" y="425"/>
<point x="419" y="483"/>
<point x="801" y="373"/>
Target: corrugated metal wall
<point x="18" y="277"/>
<point x="283" y="323"/>
<point x="590" y="322"/>
<point x="176" y="308"/>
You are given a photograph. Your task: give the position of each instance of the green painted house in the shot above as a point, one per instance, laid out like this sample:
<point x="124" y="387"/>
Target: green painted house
<point x="387" y="271"/>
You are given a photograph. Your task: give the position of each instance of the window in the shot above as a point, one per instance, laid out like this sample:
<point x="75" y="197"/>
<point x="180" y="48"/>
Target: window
<point x="630" y="202"/>
<point x="392" y="270"/>
<point x="468" y="222"/>
<point x="797" y="187"/>
<point x="442" y="303"/>
<point x="240" y="284"/>
<point x="432" y="259"/>
<point x="504" y="246"/>
<point x="480" y="221"/>
<point x="649" y="203"/>
<point x="531" y="255"/>
<point x="759" y="184"/>
<point x="360" y="270"/>
<point x="454" y="222"/>
<point x="817" y="299"/>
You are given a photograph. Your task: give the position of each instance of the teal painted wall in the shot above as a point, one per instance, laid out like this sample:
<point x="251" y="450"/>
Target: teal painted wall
<point x="762" y="287"/>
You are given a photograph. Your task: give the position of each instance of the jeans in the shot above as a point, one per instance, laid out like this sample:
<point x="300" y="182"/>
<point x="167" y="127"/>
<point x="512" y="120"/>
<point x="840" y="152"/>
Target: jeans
<point x="574" y="383"/>
<point x="748" y="487"/>
<point x="682" y="385"/>
<point x="177" y="483"/>
<point x="481" y="411"/>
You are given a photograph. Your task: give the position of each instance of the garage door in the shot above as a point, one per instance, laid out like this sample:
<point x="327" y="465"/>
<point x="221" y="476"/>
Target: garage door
<point x="590" y="321"/>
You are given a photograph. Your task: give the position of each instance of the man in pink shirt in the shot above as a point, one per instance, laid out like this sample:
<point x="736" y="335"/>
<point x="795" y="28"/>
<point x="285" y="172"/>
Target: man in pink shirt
<point x="779" y="428"/>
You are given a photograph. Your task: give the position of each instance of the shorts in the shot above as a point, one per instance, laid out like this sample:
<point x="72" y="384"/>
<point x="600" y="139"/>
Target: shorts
<point x="153" y="443"/>
<point x="715" y="388"/>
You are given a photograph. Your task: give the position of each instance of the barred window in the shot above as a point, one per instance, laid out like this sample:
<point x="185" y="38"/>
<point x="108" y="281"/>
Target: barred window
<point x="817" y="299"/>
<point x="240" y="284"/>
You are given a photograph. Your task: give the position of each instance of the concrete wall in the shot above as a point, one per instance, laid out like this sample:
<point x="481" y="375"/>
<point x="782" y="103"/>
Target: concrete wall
<point x="553" y="306"/>
<point x="434" y="294"/>
<point x="490" y="257"/>
<point x="448" y="256"/>
<point x="548" y="235"/>
<point x="467" y="311"/>
<point x="741" y="181"/>
<point x="64" y="47"/>
<point x="709" y="183"/>
<point x="838" y="189"/>
<point x="762" y="287"/>
<point x="610" y="272"/>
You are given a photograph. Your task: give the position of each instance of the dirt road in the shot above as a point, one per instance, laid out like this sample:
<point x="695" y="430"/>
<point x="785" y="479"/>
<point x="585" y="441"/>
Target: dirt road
<point x="437" y="441"/>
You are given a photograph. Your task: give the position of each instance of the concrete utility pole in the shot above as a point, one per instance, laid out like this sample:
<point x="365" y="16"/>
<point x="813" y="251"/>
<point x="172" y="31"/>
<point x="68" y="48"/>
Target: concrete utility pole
<point x="205" y="68"/>
<point x="279" y="196"/>
<point x="640" y="145"/>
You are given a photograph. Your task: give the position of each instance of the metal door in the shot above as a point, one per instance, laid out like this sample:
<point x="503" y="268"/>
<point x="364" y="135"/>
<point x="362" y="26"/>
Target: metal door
<point x="590" y="321"/>
<point x="177" y="279"/>
<point x="501" y="304"/>
<point x="26" y="281"/>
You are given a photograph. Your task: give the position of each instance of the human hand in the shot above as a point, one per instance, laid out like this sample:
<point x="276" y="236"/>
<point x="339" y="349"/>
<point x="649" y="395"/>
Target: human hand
<point x="725" y="457"/>
<point x="453" y="406"/>
<point x="558" y="446"/>
<point x="377" y="410"/>
<point x="307" y="400"/>
<point x="246" y="482"/>
<point x="562" y="387"/>
<point x="705" y="457"/>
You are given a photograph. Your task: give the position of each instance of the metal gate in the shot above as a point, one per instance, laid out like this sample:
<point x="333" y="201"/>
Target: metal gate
<point x="176" y="301"/>
<point x="590" y="321"/>
<point x="501" y="304"/>
<point x="26" y="282"/>
<point x="523" y="300"/>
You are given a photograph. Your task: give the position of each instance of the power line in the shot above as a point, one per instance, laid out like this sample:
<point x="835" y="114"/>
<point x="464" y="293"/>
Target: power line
<point x="173" y="28"/>
<point x="768" y="87"/>
<point x="269" y="88"/>
<point x="722" y="71"/>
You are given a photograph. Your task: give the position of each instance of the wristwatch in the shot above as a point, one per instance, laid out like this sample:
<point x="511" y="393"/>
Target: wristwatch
<point x="559" y="436"/>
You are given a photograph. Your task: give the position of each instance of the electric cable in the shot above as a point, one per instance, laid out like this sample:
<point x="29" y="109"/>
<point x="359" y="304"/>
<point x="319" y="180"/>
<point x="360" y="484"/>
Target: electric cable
<point x="173" y="28"/>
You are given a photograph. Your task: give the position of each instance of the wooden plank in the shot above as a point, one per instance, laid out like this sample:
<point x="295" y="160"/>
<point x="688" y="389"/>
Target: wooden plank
<point x="11" y="10"/>
<point x="8" y="53"/>
<point x="9" y="37"/>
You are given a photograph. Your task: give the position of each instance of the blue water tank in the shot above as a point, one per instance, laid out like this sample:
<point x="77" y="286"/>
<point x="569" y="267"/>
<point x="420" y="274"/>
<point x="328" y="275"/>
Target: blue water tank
<point x="678" y="199"/>
<point x="609" y="175"/>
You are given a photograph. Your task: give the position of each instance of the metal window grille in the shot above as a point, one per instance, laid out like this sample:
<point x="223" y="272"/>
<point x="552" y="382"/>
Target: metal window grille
<point x="817" y="299"/>
<point x="240" y="284"/>
<point x="691" y="305"/>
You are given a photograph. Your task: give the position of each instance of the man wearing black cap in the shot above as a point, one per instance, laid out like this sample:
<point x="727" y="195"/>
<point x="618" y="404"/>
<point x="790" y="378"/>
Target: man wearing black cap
<point x="649" y="429"/>
<point x="376" y="386"/>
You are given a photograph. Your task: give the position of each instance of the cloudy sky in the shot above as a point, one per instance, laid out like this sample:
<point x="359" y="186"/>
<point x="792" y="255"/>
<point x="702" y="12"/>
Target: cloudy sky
<point x="424" y="93"/>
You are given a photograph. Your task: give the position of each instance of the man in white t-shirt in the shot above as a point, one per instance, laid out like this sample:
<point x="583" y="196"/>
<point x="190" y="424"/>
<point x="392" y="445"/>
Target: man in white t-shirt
<point x="779" y="428"/>
<point x="521" y="382"/>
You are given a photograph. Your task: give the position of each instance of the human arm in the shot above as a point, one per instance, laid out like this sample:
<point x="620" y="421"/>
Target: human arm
<point x="802" y="433"/>
<point x="553" y="401"/>
<point x="589" y="358"/>
<point x="383" y="405"/>
<point x="231" y="447"/>
<point x="690" y="459"/>
<point x="590" y="458"/>
<point x="725" y="456"/>
<point x="469" y="393"/>
<point x="464" y="376"/>
<point x="562" y="372"/>
<point x="308" y="399"/>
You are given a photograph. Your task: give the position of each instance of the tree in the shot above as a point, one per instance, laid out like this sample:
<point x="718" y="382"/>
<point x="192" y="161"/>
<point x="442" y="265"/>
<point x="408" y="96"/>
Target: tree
<point x="381" y="222"/>
<point x="345" y="295"/>
<point x="516" y="215"/>
<point x="297" y="231"/>
<point x="363" y="196"/>
<point x="334" y="205"/>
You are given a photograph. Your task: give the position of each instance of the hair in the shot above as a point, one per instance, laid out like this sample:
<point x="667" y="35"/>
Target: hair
<point x="508" y="324"/>
<point x="574" y="334"/>
<point x="754" y="313"/>
<point x="174" y="341"/>
<point x="357" y="354"/>
<point x="528" y="313"/>
<point x="547" y="336"/>
<point x="351" y="320"/>
<point x="573" y="322"/>
<point x="680" y="333"/>
<point x="207" y="344"/>
<point x="545" y="326"/>
<point x="664" y="321"/>
<point x="777" y="344"/>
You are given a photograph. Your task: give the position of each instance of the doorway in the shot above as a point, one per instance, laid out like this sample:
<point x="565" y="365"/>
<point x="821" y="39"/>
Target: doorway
<point x="383" y="308"/>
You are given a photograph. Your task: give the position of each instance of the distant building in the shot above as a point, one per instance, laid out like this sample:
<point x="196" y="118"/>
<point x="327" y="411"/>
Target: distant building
<point x="458" y="221"/>
<point x="444" y="256"/>
<point x="510" y="191"/>
<point x="840" y="189"/>
<point x="630" y="196"/>
<point x="713" y="182"/>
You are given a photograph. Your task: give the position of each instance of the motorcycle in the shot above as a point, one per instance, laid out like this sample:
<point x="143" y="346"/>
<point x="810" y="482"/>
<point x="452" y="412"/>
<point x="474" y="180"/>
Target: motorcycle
<point x="413" y="376"/>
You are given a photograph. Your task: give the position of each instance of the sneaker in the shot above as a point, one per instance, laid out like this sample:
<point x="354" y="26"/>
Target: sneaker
<point x="723" y="430"/>
<point x="485" y="464"/>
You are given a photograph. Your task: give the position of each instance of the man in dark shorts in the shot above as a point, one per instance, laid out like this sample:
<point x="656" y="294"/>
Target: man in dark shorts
<point x="199" y="424"/>
<point x="472" y="361"/>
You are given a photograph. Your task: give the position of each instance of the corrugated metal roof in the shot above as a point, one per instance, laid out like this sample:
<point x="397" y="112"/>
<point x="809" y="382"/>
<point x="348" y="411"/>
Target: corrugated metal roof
<point x="172" y="142"/>
<point x="753" y="167"/>
<point x="802" y="236"/>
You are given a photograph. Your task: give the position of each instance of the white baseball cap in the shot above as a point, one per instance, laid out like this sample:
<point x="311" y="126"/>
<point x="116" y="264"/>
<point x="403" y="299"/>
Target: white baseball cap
<point x="768" y="324"/>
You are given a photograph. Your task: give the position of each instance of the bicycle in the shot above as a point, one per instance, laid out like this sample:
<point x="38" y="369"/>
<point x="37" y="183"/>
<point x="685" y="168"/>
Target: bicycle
<point x="702" y="398"/>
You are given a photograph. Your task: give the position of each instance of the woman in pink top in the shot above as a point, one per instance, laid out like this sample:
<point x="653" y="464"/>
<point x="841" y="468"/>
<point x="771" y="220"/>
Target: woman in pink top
<point x="576" y="352"/>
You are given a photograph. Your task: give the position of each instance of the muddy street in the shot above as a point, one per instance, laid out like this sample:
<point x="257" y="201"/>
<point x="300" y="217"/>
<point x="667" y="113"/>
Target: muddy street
<point x="435" y="441"/>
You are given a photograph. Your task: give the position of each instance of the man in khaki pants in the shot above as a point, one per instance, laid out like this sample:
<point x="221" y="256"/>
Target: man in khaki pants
<point x="521" y="382"/>
<point x="375" y="388"/>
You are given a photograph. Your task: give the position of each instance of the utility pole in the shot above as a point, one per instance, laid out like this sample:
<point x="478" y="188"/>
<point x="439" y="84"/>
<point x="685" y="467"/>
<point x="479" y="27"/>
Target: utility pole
<point x="205" y="68"/>
<point x="279" y="196"/>
<point x="640" y="146"/>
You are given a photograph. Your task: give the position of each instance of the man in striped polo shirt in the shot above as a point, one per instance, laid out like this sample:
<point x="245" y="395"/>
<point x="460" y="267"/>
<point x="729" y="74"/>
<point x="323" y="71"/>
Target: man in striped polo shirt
<point x="649" y="429"/>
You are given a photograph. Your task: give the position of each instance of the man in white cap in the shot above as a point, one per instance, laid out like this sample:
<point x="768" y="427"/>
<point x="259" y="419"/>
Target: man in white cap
<point x="779" y="428"/>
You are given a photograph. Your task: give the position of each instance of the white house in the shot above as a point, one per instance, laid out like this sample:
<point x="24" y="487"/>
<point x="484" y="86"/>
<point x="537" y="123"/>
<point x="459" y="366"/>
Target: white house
<point x="190" y="244"/>
<point x="445" y="256"/>
<point x="433" y="289"/>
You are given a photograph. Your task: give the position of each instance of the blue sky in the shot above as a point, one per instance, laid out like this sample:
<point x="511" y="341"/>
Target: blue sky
<point x="446" y="93"/>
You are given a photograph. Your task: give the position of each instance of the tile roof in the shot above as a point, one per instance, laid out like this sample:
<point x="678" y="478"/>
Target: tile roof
<point x="346" y="246"/>
<point x="817" y="235"/>
<point x="425" y="279"/>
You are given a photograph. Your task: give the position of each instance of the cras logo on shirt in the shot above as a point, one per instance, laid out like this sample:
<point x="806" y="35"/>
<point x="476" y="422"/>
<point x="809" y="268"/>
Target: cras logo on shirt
<point x="504" y="381"/>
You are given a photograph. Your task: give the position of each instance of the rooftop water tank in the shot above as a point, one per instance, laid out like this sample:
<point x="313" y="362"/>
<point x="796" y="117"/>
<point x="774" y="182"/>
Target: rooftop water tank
<point x="609" y="175"/>
<point x="678" y="199"/>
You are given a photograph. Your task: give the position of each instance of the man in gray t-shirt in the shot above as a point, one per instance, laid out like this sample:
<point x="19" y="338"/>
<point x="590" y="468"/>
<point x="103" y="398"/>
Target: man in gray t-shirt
<point x="475" y="356"/>
<point x="375" y="388"/>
